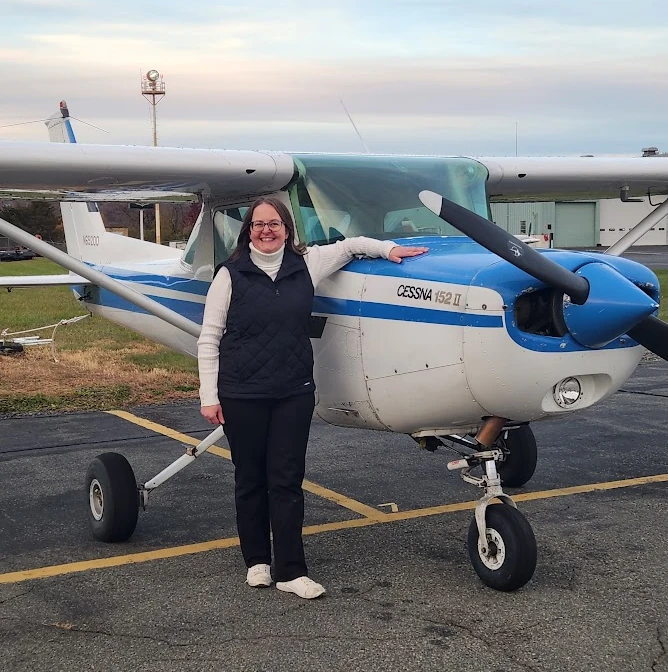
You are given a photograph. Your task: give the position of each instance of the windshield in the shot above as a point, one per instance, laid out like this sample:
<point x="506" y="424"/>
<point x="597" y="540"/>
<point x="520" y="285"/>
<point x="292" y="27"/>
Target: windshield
<point x="343" y="196"/>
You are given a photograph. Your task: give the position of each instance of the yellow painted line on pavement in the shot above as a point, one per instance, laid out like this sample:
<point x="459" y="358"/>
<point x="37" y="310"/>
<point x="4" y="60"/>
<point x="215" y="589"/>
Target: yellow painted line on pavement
<point x="531" y="496"/>
<point x="309" y="486"/>
<point x="189" y="549"/>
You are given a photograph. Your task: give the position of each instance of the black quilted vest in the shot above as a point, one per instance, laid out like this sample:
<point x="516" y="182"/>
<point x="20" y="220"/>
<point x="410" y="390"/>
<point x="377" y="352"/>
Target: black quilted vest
<point x="265" y="352"/>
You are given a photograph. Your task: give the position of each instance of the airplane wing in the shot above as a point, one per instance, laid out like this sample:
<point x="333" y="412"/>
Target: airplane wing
<point x="571" y="179"/>
<point x="62" y="280"/>
<point x="62" y="171"/>
<point x="73" y="172"/>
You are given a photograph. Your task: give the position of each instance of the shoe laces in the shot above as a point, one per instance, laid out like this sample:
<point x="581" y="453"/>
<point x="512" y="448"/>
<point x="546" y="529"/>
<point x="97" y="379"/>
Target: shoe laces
<point x="308" y="582"/>
<point x="255" y="570"/>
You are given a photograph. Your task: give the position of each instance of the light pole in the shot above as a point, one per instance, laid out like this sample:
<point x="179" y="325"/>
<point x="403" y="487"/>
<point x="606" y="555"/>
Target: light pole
<point x="153" y="89"/>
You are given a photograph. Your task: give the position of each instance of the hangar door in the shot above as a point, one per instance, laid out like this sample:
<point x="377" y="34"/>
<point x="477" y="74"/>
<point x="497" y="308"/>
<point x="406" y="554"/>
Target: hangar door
<point x="575" y="225"/>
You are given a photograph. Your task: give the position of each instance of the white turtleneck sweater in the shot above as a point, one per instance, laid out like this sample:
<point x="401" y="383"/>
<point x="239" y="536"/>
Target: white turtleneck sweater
<point x="320" y="262"/>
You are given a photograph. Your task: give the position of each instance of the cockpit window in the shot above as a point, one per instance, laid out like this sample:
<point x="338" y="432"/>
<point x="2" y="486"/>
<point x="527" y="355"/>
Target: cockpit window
<point x="226" y="227"/>
<point x="189" y="253"/>
<point x="377" y="196"/>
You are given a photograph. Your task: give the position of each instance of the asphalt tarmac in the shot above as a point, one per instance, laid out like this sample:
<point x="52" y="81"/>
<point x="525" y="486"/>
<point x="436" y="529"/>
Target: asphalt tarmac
<point x="654" y="256"/>
<point x="383" y="536"/>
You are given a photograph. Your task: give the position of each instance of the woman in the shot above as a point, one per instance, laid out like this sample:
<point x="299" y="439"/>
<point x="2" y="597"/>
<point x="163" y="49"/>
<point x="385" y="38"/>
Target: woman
<point x="256" y="378"/>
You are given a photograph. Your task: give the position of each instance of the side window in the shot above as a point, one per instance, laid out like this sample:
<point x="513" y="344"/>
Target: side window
<point x="322" y="226"/>
<point x="189" y="254"/>
<point x="327" y="228"/>
<point x="226" y="228"/>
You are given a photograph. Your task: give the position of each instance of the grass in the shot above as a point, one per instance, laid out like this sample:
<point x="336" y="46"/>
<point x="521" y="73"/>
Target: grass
<point x="663" y="279"/>
<point x="101" y="365"/>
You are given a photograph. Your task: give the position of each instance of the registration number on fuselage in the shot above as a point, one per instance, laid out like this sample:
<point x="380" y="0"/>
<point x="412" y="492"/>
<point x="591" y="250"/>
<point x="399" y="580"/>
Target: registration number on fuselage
<point x="427" y="294"/>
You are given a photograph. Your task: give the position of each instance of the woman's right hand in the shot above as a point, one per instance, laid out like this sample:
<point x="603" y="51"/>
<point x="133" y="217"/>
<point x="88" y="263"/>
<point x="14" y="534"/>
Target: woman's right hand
<point x="214" y="414"/>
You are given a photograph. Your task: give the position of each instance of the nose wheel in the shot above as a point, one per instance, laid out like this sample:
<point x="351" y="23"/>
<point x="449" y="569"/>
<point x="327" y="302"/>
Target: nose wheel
<point x="501" y="543"/>
<point x="506" y="558"/>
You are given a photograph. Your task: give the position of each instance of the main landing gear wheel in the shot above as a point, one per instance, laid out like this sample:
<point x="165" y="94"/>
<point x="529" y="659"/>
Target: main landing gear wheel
<point x="113" y="498"/>
<point x="519" y="456"/>
<point x="506" y="560"/>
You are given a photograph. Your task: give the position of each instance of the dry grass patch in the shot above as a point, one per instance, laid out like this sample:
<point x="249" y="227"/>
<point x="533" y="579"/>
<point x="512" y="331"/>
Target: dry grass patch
<point x="90" y="378"/>
<point x="101" y="365"/>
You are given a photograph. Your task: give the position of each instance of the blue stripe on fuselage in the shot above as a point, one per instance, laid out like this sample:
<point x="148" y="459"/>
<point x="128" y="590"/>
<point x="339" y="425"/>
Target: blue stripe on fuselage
<point x="179" y="284"/>
<point x="454" y="260"/>
<point x="103" y="297"/>
<point x="388" y="311"/>
<point x="321" y="304"/>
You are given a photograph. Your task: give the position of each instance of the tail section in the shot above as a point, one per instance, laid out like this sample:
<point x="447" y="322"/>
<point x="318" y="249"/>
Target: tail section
<point x="85" y="235"/>
<point x="60" y="126"/>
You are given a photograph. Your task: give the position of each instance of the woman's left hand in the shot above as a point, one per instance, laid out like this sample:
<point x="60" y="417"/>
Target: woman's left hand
<point x="399" y="252"/>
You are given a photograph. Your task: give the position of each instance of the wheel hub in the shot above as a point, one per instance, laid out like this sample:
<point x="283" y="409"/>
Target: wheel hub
<point x="96" y="499"/>
<point x="493" y="553"/>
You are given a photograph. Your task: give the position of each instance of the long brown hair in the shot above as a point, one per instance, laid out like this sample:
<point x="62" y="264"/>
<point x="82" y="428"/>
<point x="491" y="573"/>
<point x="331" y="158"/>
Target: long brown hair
<point x="244" y="234"/>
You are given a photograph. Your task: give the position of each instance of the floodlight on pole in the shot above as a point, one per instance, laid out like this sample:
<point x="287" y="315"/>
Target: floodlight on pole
<point x="153" y="89"/>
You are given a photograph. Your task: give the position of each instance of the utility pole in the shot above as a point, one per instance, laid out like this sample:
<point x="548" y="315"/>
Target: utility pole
<point x="153" y="89"/>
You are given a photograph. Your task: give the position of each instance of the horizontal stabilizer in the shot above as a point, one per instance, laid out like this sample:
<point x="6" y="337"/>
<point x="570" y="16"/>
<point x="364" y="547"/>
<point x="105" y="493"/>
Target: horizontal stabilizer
<point x="61" y="280"/>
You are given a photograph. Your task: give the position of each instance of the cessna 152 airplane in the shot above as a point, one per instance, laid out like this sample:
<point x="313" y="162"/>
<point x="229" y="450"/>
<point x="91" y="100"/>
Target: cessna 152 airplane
<point x="463" y="346"/>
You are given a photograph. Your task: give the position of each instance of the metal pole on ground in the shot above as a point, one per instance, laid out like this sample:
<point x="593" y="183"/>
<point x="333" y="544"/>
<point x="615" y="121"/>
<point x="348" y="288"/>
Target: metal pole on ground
<point x="153" y="89"/>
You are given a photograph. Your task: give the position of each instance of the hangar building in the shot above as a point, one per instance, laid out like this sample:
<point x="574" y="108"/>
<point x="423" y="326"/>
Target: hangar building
<point x="583" y="223"/>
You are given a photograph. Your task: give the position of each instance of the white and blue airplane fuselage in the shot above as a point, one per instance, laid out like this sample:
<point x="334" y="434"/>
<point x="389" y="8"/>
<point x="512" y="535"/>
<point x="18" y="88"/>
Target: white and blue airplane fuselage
<point x="427" y="347"/>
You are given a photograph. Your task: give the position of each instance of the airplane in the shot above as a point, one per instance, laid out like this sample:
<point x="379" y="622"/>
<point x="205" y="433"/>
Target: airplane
<point x="462" y="347"/>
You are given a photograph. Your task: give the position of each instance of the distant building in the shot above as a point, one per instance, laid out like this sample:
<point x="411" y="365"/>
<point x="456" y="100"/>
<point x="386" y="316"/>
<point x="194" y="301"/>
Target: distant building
<point x="583" y="223"/>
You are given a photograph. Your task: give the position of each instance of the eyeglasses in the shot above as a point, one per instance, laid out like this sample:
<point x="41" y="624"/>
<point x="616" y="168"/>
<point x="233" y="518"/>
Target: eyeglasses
<point x="274" y="225"/>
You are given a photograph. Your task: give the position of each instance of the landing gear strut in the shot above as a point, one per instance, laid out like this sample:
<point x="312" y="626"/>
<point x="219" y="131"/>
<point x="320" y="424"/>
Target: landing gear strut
<point x="501" y="543"/>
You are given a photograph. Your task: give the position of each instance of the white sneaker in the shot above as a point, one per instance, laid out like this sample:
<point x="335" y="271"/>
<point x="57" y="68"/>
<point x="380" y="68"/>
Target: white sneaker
<point x="259" y="576"/>
<point x="302" y="586"/>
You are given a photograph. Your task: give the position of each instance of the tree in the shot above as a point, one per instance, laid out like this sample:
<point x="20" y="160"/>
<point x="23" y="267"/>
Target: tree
<point x="35" y="217"/>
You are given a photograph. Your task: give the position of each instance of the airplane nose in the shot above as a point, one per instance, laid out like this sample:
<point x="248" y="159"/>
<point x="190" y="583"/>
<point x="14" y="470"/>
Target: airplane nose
<point x="614" y="306"/>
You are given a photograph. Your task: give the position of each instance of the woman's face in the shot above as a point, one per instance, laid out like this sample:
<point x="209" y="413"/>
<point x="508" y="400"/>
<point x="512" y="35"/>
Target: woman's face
<point x="267" y="239"/>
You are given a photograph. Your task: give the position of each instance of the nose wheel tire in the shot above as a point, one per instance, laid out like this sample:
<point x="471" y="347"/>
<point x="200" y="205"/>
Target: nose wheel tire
<point x="506" y="560"/>
<point x="113" y="498"/>
<point x="520" y="456"/>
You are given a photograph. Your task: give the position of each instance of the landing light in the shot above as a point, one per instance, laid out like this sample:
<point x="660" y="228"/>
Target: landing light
<point x="567" y="392"/>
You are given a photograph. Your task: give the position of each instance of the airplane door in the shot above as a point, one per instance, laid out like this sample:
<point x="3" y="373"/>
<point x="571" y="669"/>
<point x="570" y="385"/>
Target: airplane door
<point x="342" y="396"/>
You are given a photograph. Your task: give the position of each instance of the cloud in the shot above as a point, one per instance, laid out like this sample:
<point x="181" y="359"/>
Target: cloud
<point x="420" y="76"/>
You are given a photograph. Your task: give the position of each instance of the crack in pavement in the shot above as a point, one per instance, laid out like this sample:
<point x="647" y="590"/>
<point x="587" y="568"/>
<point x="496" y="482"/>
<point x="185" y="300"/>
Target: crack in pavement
<point x="14" y="597"/>
<point x="62" y="626"/>
<point x="645" y="394"/>
<point x="69" y="627"/>
<point x="495" y="643"/>
<point x="663" y="652"/>
<point x="309" y="638"/>
<point x="4" y="513"/>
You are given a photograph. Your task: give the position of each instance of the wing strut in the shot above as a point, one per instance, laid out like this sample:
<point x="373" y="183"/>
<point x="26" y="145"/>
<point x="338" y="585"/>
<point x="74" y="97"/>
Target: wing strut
<point x="639" y="230"/>
<point x="100" y="279"/>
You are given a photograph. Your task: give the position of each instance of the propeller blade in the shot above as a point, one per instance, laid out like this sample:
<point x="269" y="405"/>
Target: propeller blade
<point x="506" y="246"/>
<point x="653" y="334"/>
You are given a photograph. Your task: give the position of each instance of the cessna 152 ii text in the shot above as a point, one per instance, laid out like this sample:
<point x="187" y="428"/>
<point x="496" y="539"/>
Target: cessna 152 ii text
<point x="465" y="345"/>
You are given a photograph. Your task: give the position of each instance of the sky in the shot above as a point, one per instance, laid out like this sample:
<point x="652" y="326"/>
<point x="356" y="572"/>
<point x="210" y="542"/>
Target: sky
<point x="476" y="77"/>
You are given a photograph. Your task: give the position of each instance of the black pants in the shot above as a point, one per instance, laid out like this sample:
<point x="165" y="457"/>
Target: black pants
<point x="268" y="439"/>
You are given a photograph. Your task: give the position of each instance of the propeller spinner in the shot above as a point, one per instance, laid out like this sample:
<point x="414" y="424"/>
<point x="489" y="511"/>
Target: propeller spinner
<point x="600" y="303"/>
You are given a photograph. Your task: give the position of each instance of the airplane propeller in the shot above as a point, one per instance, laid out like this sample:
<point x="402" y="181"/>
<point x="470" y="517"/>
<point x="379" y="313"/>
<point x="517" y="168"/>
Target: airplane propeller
<point x="601" y="304"/>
